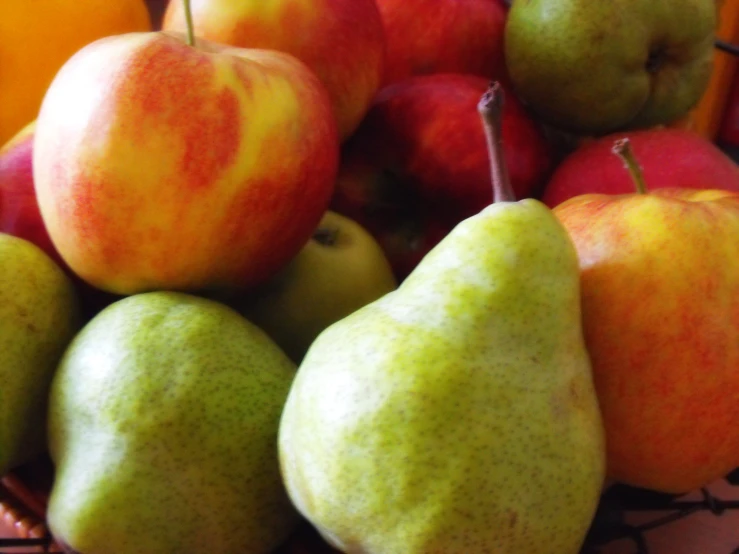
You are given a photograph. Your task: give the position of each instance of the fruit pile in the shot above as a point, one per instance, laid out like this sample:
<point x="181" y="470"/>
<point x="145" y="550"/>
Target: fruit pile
<point x="425" y="275"/>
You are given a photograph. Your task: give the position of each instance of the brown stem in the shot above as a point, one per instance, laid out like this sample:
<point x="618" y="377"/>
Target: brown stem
<point x="188" y="20"/>
<point x="622" y="148"/>
<point x="490" y="108"/>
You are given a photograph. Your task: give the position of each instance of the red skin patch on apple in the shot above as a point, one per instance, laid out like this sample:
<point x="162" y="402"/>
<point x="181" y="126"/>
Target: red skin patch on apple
<point x="209" y="125"/>
<point x="20" y="216"/>
<point x="19" y="211"/>
<point x="418" y="164"/>
<point x="668" y="158"/>
<point x="433" y="36"/>
<point x="428" y="128"/>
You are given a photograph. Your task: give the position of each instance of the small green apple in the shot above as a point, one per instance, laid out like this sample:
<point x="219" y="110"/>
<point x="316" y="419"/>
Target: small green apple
<point x="339" y="270"/>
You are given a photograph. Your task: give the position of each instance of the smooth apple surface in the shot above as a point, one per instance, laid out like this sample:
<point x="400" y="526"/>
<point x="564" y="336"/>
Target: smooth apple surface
<point x="443" y="36"/>
<point x="418" y="164"/>
<point x="668" y="157"/>
<point x="342" y="41"/>
<point x="19" y="211"/>
<point x="660" y="300"/>
<point x="158" y="165"/>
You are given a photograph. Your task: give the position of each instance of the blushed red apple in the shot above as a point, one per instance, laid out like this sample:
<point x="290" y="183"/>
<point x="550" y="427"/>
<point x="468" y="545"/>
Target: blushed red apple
<point x="342" y="41"/>
<point x="443" y="36"/>
<point x="669" y="157"/>
<point x="160" y="165"/>
<point x="20" y="215"/>
<point x="19" y="211"/>
<point x="418" y="164"/>
<point x="660" y="299"/>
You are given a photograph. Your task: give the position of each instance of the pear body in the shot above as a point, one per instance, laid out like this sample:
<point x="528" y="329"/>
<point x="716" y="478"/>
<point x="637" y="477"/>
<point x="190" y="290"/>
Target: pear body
<point x="163" y="430"/>
<point x="39" y="315"/>
<point x="596" y="67"/>
<point x="456" y="414"/>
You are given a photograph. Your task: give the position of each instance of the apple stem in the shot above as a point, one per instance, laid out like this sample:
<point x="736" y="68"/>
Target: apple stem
<point x="622" y="148"/>
<point x="326" y="236"/>
<point x="190" y="26"/>
<point x="490" y="108"/>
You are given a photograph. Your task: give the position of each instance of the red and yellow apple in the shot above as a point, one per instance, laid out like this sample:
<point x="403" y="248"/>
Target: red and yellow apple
<point x="19" y="211"/>
<point x="160" y="165"/>
<point x="443" y="36"/>
<point x="342" y="41"/>
<point x="418" y="164"/>
<point x="672" y="158"/>
<point x="660" y="302"/>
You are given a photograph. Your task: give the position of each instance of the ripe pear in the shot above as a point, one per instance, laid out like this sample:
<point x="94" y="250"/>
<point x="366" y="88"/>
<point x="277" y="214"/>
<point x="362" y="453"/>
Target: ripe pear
<point x="456" y="414"/>
<point x="596" y="67"/>
<point x="39" y="315"/>
<point x="163" y="426"/>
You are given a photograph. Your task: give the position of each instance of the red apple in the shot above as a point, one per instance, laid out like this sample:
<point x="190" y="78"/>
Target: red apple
<point x="660" y="299"/>
<point x="443" y="36"/>
<point x="668" y="157"/>
<point x="418" y="164"/>
<point x="160" y="165"/>
<point x="342" y="41"/>
<point x="20" y="214"/>
<point x="19" y="211"/>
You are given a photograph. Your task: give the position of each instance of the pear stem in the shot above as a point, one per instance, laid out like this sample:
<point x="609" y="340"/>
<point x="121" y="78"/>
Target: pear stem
<point x="490" y="109"/>
<point x="188" y="20"/>
<point x="622" y="148"/>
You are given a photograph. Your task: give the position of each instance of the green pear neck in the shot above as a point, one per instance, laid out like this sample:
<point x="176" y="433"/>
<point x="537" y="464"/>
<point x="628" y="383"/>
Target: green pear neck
<point x="512" y="259"/>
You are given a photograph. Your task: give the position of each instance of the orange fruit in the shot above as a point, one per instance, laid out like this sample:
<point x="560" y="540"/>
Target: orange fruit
<point x="36" y="38"/>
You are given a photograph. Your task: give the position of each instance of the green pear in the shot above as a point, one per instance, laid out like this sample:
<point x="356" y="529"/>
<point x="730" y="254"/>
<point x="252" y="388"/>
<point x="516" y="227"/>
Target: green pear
<point x="600" y="66"/>
<point x="339" y="270"/>
<point x="163" y="423"/>
<point x="456" y="414"/>
<point x="39" y="315"/>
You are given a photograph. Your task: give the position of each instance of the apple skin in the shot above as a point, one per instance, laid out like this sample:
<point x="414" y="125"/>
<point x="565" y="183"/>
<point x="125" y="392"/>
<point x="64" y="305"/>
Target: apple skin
<point x="672" y="158"/>
<point x="660" y="299"/>
<point x="418" y="164"/>
<point x="20" y="215"/>
<point x="341" y="269"/>
<point x="19" y="212"/>
<point x="162" y="166"/>
<point x="443" y="36"/>
<point x="342" y="41"/>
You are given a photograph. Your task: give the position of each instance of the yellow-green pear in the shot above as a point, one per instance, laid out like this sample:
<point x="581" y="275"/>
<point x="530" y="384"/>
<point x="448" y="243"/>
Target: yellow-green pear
<point x="457" y="414"/>
<point x="163" y="426"/>
<point x="595" y="67"/>
<point x="339" y="270"/>
<point x="39" y="315"/>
